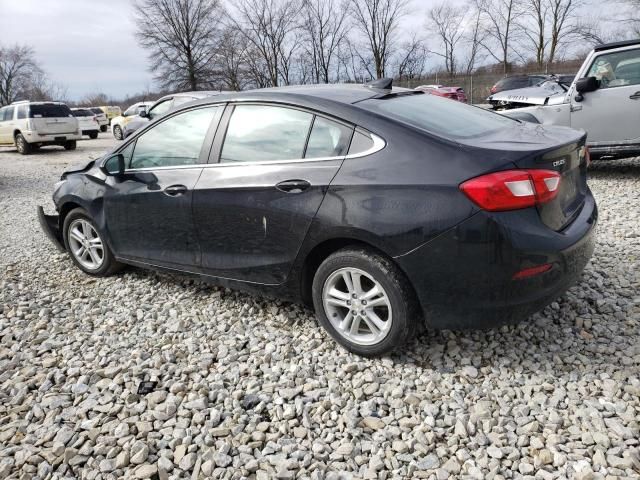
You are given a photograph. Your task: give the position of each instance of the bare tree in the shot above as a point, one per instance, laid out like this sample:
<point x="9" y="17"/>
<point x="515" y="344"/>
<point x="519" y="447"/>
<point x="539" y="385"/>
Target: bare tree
<point x="448" y="23"/>
<point x="180" y="37"/>
<point x="17" y="67"/>
<point x="412" y="58"/>
<point x="378" y="21"/>
<point x="269" y="26"/>
<point x="536" y="29"/>
<point x="474" y="36"/>
<point x="325" y="26"/>
<point x="501" y="18"/>
<point x="232" y="62"/>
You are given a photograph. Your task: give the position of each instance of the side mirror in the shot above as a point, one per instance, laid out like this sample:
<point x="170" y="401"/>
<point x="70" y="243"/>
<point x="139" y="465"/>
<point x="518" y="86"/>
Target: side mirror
<point x="142" y="113"/>
<point x="588" y="84"/>
<point x="114" y="166"/>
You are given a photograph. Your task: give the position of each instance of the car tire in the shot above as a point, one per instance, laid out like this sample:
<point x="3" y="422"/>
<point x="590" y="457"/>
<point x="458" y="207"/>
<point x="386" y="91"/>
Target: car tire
<point x="117" y="132"/>
<point x="99" y="261"/>
<point x="93" y="135"/>
<point x="380" y="328"/>
<point x="22" y="145"/>
<point x="70" y="145"/>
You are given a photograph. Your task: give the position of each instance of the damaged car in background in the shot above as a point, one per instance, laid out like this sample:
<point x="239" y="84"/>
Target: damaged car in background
<point x="603" y="100"/>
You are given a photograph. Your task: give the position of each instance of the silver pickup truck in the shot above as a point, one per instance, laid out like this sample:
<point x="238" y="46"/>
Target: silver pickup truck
<point x="603" y="100"/>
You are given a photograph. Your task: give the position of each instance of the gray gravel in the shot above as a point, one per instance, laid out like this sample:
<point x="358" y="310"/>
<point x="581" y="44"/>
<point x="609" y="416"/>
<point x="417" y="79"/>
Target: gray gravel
<point x="250" y="388"/>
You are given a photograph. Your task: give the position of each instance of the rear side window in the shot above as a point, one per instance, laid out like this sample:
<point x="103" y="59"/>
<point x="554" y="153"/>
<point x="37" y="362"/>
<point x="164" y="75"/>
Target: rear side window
<point x="22" y="111"/>
<point x="360" y="143"/>
<point x="51" y="110"/>
<point x="97" y="110"/>
<point x="437" y="115"/>
<point x="327" y="139"/>
<point x="176" y="141"/>
<point x="6" y="114"/>
<point x="258" y="133"/>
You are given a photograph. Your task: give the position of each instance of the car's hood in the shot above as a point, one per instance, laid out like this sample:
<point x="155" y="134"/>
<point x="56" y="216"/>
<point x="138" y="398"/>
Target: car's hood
<point x="538" y="95"/>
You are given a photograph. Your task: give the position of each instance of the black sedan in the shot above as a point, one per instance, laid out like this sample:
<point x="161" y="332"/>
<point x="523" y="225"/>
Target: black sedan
<point x="381" y="207"/>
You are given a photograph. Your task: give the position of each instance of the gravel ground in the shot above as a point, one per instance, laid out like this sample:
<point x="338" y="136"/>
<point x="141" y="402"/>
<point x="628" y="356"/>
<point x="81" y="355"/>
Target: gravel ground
<point x="250" y="388"/>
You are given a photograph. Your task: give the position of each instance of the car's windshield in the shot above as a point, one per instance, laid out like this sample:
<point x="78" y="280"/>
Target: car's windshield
<point x="439" y="115"/>
<point x="82" y="113"/>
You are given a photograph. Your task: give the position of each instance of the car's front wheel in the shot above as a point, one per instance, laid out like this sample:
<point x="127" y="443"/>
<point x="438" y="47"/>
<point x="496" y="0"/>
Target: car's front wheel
<point x="22" y="145"/>
<point x="86" y="246"/>
<point x="93" y="135"/>
<point x="70" y="145"/>
<point x="364" y="301"/>
<point x="117" y="132"/>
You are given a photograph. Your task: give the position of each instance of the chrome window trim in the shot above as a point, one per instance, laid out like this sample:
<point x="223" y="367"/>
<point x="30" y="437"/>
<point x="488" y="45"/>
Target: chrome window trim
<point x="378" y="144"/>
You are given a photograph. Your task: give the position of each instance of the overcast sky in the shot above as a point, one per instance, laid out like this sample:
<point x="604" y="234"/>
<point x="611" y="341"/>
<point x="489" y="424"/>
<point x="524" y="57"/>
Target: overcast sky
<point x="86" y="45"/>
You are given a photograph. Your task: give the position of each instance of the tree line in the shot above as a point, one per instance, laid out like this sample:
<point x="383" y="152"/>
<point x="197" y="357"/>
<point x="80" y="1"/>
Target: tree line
<point x="239" y="44"/>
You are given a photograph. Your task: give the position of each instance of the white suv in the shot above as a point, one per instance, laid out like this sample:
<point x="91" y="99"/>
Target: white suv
<point x="30" y="125"/>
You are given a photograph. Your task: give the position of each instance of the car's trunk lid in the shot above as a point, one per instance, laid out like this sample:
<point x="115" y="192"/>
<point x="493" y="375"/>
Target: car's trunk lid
<point x="560" y="149"/>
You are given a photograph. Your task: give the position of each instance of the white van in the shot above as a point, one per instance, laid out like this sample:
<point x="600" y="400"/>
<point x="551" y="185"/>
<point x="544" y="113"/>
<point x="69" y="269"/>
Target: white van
<point x="30" y="125"/>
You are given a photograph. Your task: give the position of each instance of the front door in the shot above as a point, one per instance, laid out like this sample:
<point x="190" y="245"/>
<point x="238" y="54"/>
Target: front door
<point x="252" y="210"/>
<point x="611" y="114"/>
<point x="148" y="210"/>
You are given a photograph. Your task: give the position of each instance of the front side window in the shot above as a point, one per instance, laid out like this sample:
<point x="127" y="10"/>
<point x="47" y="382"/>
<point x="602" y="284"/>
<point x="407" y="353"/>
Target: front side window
<point x="438" y="115"/>
<point x="160" y="109"/>
<point x="617" y="69"/>
<point x="258" y="133"/>
<point x="327" y="139"/>
<point x="174" y="142"/>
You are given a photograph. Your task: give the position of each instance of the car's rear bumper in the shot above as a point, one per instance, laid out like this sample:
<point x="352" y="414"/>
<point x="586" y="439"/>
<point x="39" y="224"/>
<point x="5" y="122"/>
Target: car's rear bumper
<point x="465" y="277"/>
<point x="50" y="226"/>
<point x="53" y="138"/>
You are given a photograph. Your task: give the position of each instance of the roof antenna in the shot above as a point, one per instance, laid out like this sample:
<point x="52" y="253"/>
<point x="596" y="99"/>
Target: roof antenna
<point x="380" y="84"/>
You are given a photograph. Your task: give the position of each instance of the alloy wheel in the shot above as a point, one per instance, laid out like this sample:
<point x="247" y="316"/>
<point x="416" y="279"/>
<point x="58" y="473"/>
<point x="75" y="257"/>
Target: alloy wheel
<point x="357" y="306"/>
<point x="85" y="244"/>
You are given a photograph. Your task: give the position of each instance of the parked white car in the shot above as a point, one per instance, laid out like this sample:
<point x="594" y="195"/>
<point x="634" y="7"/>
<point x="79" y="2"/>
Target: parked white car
<point x="118" y="123"/>
<point x="603" y="100"/>
<point x="103" y="121"/>
<point x="87" y="122"/>
<point x="30" y="125"/>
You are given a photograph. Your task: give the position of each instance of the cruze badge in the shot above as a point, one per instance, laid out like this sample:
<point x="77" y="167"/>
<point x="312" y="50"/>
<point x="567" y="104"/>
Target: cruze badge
<point x="557" y="163"/>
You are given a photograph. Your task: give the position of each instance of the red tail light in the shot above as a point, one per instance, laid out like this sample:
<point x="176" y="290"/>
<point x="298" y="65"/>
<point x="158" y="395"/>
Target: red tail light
<point x="512" y="189"/>
<point x="533" y="271"/>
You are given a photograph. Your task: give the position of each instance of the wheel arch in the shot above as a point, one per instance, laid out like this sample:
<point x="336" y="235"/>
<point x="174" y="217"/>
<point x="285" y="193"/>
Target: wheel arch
<point x="321" y="251"/>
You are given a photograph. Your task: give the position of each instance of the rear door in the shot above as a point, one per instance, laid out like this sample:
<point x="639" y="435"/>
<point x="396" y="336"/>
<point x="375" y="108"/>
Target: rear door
<point x="252" y="210"/>
<point x="6" y="125"/>
<point x="611" y="114"/>
<point x="148" y="210"/>
<point x="52" y="119"/>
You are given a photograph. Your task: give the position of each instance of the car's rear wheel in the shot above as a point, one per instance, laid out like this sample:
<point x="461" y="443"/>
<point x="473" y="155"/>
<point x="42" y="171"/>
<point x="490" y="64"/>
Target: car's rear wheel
<point x="104" y="128"/>
<point x="22" y="145"/>
<point x="70" y="145"/>
<point x="364" y="301"/>
<point x="117" y="132"/>
<point x="86" y="246"/>
<point x="93" y="135"/>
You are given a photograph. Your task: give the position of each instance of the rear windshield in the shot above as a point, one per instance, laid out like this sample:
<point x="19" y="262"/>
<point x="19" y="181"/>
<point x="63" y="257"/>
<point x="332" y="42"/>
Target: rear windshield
<point x="51" y="110"/>
<point x="438" y="115"/>
<point x="82" y="113"/>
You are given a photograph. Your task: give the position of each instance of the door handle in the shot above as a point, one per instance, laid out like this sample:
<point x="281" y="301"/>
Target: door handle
<point x="293" y="186"/>
<point x="635" y="96"/>
<point x="175" y="190"/>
